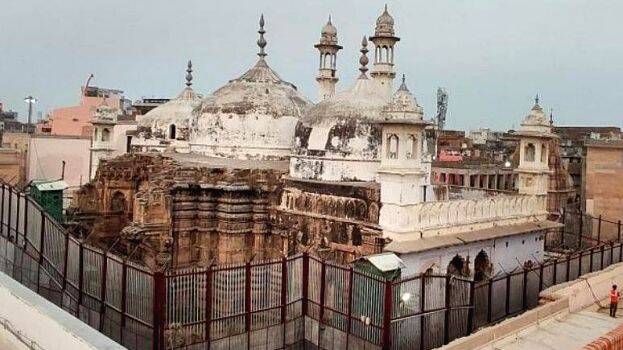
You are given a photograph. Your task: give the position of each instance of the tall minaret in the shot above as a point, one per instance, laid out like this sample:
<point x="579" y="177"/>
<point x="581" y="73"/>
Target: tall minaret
<point x="384" y="41"/>
<point x="328" y="49"/>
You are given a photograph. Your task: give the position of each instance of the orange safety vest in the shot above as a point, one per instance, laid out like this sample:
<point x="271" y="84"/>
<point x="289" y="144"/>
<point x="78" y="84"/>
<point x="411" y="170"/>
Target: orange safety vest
<point x="614" y="296"/>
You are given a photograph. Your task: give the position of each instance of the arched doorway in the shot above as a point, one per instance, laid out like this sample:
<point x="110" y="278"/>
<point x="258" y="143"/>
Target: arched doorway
<point x="482" y="267"/>
<point x="458" y="266"/>
<point x="118" y="203"/>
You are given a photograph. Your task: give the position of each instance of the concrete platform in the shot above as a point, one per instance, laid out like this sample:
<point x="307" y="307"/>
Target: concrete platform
<point x="565" y="332"/>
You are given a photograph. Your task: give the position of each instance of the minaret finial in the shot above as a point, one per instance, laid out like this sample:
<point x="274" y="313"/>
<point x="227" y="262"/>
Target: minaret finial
<point x="329" y="20"/>
<point x="536" y="100"/>
<point x="261" y="42"/>
<point x="386" y="8"/>
<point x="189" y="73"/>
<point x="551" y="116"/>
<point x="363" y="60"/>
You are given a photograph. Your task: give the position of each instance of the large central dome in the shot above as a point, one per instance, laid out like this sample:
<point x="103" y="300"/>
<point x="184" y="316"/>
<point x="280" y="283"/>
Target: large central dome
<point x="251" y="117"/>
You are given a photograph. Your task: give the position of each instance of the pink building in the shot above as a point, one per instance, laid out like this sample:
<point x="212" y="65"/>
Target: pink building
<point x="76" y="120"/>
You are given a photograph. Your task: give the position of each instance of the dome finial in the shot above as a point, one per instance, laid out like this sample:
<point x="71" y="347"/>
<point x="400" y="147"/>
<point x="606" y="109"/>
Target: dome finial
<point x="403" y="86"/>
<point x="536" y="100"/>
<point x="261" y="42"/>
<point x="363" y="60"/>
<point x="386" y="8"/>
<point x="551" y="116"/>
<point x="189" y="75"/>
<point x="329" y="22"/>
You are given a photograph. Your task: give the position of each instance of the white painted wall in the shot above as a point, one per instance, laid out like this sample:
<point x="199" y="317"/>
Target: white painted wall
<point x="520" y="249"/>
<point x="44" y="323"/>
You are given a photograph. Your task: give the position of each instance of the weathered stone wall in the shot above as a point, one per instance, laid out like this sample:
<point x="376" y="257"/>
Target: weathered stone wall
<point x="338" y="221"/>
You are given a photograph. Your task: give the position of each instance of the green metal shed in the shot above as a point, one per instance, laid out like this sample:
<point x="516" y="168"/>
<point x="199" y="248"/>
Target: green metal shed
<point x="49" y="194"/>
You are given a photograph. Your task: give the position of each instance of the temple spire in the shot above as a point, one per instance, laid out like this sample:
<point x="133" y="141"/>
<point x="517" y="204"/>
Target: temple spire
<point x="189" y="75"/>
<point x="261" y="42"/>
<point x="363" y="60"/>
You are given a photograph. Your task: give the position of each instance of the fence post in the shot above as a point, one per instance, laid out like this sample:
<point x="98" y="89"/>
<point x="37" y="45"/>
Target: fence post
<point x="17" y="220"/>
<point x="422" y="307"/>
<point x="66" y="262"/>
<point x="598" y="229"/>
<point x="471" y="311"/>
<point x="103" y="291"/>
<point x="567" y="275"/>
<point x="541" y="277"/>
<point x="591" y="260"/>
<point x="602" y="258"/>
<point x="284" y="296"/>
<point x="209" y="305"/>
<point x="124" y="287"/>
<point x="8" y="217"/>
<point x="507" y="305"/>
<point x="25" y="221"/>
<point x="619" y="231"/>
<point x="41" y="237"/>
<point x="159" y="309"/>
<point x="525" y="289"/>
<point x="247" y="302"/>
<point x="323" y="271"/>
<point x="305" y="281"/>
<point x="489" y="300"/>
<point x="446" y="331"/>
<point x="580" y="264"/>
<point x="349" y="310"/>
<point x="2" y="212"/>
<point x="80" y="274"/>
<point x="387" y="315"/>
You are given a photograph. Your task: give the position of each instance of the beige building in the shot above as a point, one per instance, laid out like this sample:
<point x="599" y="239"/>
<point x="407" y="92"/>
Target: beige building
<point x="11" y="166"/>
<point x="602" y="186"/>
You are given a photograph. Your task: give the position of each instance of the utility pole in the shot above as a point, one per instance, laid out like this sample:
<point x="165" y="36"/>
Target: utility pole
<point x="30" y="100"/>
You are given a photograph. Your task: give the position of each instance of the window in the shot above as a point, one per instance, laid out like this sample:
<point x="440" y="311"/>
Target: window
<point x="172" y="131"/>
<point x="543" y="153"/>
<point x="95" y="134"/>
<point x="106" y="135"/>
<point x="529" y="152"/>
<point x="392" y="146"/>
<point x="411" y="147"/>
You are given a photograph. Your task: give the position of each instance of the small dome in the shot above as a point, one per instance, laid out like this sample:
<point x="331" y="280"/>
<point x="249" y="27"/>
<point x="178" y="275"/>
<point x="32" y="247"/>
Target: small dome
<point x="403" y="105"/>
<point x="177" y="111"/>
<point x="384" y="24"/>
<point x="329" y="29"/>
<point x="536" y="123"/>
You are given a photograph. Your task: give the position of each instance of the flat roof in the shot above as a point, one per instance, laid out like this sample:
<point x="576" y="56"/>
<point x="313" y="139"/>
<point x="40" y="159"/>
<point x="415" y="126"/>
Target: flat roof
<point x="442" y="241"/>
<point x="604" y="143"/>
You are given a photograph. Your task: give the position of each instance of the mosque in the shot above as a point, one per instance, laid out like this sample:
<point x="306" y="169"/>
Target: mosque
<point x="255" y="170"/>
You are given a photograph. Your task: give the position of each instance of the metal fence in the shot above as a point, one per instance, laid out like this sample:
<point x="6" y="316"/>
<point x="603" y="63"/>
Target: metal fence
<point x="296" y="302"/>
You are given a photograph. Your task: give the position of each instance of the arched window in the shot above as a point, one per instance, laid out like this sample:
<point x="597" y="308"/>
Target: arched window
<point x="543" y="153"/>
<point x="106" y="135"/>
<point x="392" y="146"/>
<point x="482" y="267"/>
<point x="411" y="147"/>
<point x="95" y="134"/>
<point x="529" y="152"/>
<point x="172" y="131"/>
<point x="458" y="267"/>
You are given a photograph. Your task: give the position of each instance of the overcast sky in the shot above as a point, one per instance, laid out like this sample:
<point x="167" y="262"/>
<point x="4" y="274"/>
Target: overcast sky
<point x="491" y="56"/>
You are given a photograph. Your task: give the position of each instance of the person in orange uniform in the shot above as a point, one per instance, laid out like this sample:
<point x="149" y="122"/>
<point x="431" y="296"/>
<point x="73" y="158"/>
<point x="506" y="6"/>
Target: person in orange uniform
<point x="614" y="300"/>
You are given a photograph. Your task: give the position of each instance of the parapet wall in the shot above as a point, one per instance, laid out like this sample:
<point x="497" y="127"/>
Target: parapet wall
<point x="448" y="217"/>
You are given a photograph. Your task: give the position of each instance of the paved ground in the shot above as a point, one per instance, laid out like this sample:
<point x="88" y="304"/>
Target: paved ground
<point x="566" y="332"/>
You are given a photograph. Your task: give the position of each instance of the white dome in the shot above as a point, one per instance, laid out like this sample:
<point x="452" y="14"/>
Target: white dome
<point x="252" y="117"/>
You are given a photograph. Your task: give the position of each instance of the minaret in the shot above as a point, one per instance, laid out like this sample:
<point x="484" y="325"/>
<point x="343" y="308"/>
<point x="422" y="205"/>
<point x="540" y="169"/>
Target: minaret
<point x="261" y="42"/>
<point x="402" y="175"/>
<point x="328" y="48"/>
<point x="534" y="135"/>
<point x="384" y="41"/>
